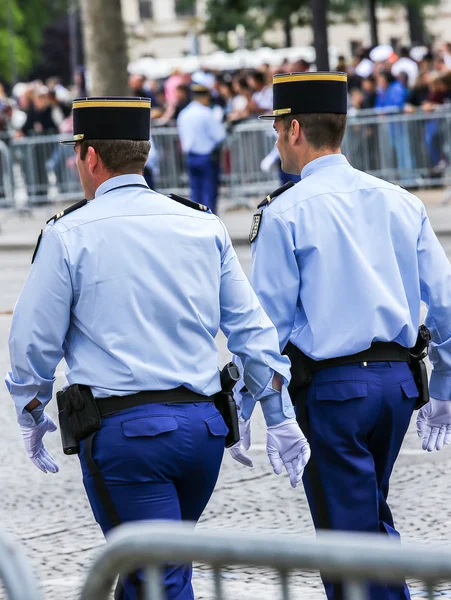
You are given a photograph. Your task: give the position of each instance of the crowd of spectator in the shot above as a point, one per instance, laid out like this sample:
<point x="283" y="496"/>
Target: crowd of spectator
<point x="381" y="79"/>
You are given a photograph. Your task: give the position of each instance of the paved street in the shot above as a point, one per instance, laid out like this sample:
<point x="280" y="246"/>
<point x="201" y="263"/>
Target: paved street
<point x="50" y="516"/>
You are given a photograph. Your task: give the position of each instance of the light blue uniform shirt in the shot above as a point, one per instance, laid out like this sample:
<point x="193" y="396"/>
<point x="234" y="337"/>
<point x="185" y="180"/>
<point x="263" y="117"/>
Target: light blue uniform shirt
<point x="131" y="290"/>
<point x="199" y="130"/>
<point x="343" y="259"/>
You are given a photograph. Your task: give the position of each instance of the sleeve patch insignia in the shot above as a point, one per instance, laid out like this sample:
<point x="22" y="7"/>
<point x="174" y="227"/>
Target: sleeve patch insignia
<point x="256" y="222"/>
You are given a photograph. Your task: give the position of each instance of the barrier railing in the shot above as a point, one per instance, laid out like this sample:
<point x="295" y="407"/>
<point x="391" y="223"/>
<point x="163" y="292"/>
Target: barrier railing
<point x="409" y="149"/>
<point x="16" y="575"/>
<point x="353" y="559"/>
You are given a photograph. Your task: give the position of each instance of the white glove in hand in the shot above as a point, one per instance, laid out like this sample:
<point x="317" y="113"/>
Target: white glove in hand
<point x="267" y="163"/>
<point x="287" y="445"/>
<point x="236" y="451"/>
<point x="434" y="424"/>
<point x="32" y="437"/>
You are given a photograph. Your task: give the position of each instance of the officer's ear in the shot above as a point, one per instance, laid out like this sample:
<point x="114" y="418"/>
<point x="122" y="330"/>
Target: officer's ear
<point x="92" y="159"/>
<point x="295" y="133"/>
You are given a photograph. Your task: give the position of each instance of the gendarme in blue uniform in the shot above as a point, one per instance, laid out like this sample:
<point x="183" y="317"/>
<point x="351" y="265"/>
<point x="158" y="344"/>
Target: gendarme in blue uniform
<point x="131" y="290"/>
<point x="341" y="260"/>
<point x="201" y="135"/>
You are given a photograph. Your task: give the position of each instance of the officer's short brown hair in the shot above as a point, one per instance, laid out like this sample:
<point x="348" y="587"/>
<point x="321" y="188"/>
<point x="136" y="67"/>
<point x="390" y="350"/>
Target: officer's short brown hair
<point x="119" y="156"/>
<point x="321" y="131"/>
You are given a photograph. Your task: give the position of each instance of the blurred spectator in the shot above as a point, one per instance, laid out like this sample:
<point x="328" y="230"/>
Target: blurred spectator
<point x="419" y="93"/>
<point x="241" y="100"/>
<point x="405" y="65"/>
<point x="364" y="66"/>
<point x="341" y="64"/>
<point x="171" y="85"/>
<point x="300" y="66"/>
<point x="369" y="92"/>
<point x="39" y="122"/>
<point x="136" y="86"/>
<point x="262" y="93"/>
<point x="391" y="93"/>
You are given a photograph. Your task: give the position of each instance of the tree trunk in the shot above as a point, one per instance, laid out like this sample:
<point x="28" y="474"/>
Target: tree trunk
<point x="319" y="25"/>
<point x="372" y="20"/>
<point x="106" y="47"/>
<point x="416" y="23"/>
<point x="288" y="33"/>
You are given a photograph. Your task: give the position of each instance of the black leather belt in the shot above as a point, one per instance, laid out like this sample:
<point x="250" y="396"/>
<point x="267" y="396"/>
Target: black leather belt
<point x="377" y="352"/>
<point x="180" y="395"/>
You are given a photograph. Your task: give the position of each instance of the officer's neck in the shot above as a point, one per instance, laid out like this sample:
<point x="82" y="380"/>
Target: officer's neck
<point x="105" y="176"/>
<point x="311" y="154"/>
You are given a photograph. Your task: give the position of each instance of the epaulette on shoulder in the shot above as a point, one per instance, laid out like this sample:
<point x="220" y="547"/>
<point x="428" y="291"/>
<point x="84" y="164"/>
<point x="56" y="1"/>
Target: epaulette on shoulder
<point x="55" y="218"/>
<point x="189" y="203"/>
<point x="270" y="197"/>
<point x="66" y="211"/>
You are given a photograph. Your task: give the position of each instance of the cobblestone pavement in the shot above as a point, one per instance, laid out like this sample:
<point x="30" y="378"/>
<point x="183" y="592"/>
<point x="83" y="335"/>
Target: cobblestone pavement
<point x="50" y="515"/>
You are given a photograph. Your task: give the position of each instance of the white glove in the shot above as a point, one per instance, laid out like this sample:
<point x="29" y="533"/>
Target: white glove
<point x="267" y="163"/>
<point x="434" y="424"/>
<point x="236" y="451"/>
<point x="32" y="437"/>
<point x="287" y="445"/>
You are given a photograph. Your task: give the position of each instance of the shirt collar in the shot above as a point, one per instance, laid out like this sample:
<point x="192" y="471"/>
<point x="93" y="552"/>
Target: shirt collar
<point x="114" y="182"/>
<point x="330" y="160"/>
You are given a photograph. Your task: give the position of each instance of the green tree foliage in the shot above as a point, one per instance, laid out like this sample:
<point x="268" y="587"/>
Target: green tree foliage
<point x="258" y="16"/>
<point x="21" y="26"/>
<point x="13" y="43"/>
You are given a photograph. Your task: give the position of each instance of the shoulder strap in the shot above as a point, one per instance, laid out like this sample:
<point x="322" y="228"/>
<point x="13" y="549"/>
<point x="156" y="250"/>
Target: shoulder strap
<point x="66" y="211"/>
<point x="270" y="197"/>
<point x="189" y="203"/>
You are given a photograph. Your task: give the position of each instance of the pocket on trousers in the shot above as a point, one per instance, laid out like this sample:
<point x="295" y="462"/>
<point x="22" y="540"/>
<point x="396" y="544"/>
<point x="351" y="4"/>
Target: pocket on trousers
<point x="149" y="426"/>
<point x="216" y="425"/>
<point x="409" y="388"/>
<point x="339" y="391"/>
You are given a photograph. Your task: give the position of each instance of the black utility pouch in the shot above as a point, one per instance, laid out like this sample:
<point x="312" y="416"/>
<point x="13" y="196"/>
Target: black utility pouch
<point x="81" y="411"/>
<point x="418" y="367"/>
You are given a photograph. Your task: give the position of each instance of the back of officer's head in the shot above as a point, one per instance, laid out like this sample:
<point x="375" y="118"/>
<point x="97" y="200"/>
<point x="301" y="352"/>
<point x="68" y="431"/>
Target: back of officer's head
<point x="119" y="156"/>
<point x="322" y="131"/>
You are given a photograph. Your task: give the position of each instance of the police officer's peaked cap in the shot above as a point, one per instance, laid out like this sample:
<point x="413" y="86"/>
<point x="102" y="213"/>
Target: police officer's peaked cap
<point x="199" y="88"/>
<point x="112" y="118"/>
<point x="309" y="93"/>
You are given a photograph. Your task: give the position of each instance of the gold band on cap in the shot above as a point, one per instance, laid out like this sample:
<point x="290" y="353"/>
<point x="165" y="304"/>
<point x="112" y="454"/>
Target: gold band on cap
<point x="309" y="77"/>
<point x="111" y="104"/>
<point x="79" y="137"/>
<point x="281" y="111"/>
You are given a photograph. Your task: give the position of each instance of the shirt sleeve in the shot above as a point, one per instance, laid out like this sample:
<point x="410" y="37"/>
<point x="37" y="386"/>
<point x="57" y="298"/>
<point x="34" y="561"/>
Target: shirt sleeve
<point x="217" y="131"/>
<point x="39" y="326"/>
<point x="251" y="335"/>
<point x="435" y="285"/>
<point x="275" y="275"/>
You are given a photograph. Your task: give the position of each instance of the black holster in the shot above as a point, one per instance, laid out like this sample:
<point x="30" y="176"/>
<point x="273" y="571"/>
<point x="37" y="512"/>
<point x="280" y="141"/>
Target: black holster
<point x="301" y="372"/>
<point x="417" y="355"/>
<point x="225" y="403"/>
<point x="78" y="416"/>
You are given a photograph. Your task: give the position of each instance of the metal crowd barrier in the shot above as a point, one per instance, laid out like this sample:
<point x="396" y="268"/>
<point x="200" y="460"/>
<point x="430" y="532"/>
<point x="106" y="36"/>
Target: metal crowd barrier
<point x="353" y="559"/>
<point x="413" y="150"/>
<point x="16" y="575"/>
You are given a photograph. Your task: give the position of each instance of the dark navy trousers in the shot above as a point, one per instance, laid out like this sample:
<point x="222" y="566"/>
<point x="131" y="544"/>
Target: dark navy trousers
<point x="158" y="461"/>
<point x="355" y="418"/>
<point x="203" y="173"/>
